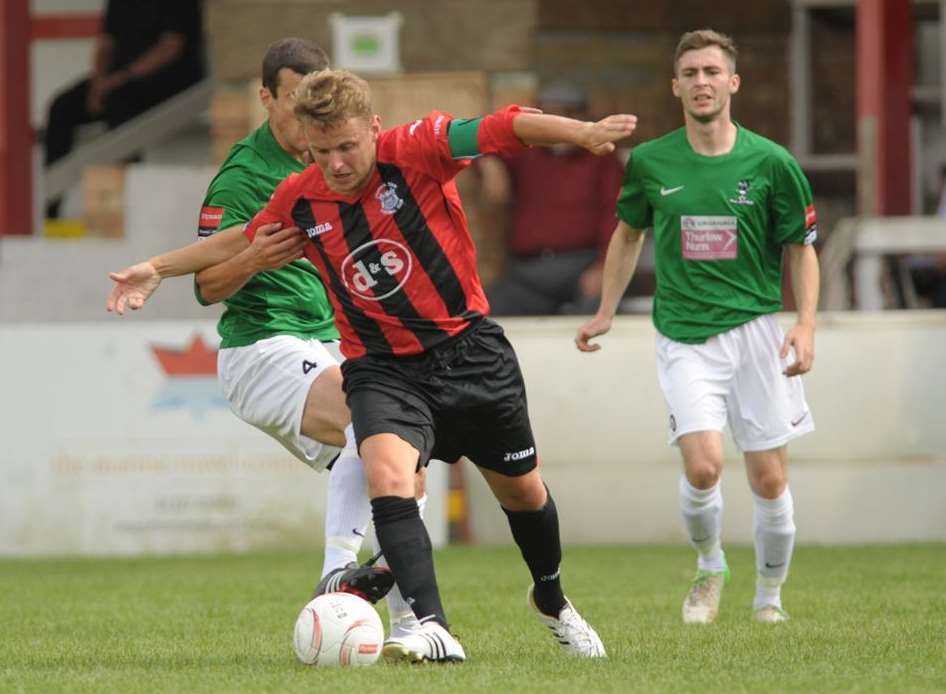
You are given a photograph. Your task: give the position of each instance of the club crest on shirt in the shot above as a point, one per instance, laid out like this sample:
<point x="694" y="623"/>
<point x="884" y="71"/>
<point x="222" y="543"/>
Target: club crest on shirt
<point x="390" y="201"/>
<point x="742" y="191"/>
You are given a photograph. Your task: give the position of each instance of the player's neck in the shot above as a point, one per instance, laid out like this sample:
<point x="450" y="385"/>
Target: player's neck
<point x="286" y="146"/>
<point x="713" y="138"/>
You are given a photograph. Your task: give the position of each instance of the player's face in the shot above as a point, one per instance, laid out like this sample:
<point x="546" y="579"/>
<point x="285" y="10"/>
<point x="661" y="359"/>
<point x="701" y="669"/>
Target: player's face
<point x="282" y="121"/>
<point x="345" y="153"/>
<point x="704" y="82"/>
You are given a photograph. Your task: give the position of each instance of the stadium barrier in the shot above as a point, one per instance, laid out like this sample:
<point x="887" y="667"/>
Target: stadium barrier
<point x="117" y="440"/>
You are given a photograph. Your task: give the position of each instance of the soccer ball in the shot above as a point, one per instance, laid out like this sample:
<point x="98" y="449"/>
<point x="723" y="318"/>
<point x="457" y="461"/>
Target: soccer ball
<point x="338" y="629"/>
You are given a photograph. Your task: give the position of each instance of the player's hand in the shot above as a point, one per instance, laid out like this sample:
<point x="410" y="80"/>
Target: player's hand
<point x="599" y="137"/>
<point x="133" y="286"/>
<point x="593" y="328"/>
<point x="800" y="338"/>
<point x="274" y="247"/>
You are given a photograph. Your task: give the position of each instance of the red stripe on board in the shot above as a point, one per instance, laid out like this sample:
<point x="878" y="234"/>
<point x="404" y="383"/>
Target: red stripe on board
<point x="65" y="26"/>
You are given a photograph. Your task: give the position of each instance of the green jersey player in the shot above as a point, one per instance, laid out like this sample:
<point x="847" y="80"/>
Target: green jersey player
<point x="724" y="204"/>
<point x="278" y="362"/>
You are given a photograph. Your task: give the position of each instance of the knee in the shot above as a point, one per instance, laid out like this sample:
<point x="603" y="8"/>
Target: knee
<point x="526" y="493"/>
<point x="388" y="477"/>
<point x="769" y="482"/>
<point x="703" y="473"/>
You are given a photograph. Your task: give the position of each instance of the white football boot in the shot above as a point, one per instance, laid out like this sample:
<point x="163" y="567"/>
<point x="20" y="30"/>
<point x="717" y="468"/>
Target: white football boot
<point x="404" y="625"/>
<point x="429" y="643"/>
<point x="769" y="614"/>
<point x="574" y="635"/>
<point x="702" y="601"/>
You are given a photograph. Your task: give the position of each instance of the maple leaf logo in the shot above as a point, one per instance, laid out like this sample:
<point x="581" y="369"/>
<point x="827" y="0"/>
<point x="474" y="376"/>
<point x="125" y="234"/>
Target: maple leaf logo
<point x="194" y="360"/>
<point x="192" y="378"/>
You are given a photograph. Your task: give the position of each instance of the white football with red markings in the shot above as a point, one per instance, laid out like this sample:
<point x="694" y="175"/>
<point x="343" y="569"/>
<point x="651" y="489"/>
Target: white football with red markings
<point x="338" y="629"/>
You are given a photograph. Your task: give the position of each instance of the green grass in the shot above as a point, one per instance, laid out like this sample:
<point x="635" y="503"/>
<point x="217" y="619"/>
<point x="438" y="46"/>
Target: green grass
<point x="863" y="619"/>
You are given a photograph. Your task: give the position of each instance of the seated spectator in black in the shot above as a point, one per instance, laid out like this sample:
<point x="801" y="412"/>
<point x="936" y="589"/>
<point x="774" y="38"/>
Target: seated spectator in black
<point x="561" y="202"/>
<point x="147" y="51"/>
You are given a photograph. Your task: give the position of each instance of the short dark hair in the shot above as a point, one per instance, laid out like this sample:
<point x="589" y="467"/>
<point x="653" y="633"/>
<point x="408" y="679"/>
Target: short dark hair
<point x="299" y="55"/>
<point x="703" y="38"/>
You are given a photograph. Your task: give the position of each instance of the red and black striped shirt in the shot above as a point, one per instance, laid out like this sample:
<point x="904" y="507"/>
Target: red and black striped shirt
<point x="396" y="257"/>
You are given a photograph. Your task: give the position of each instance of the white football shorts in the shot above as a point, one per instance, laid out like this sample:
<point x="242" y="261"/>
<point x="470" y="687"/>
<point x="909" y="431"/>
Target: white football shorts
<point x="735" y="378"/>
<point x="267" y="384"/>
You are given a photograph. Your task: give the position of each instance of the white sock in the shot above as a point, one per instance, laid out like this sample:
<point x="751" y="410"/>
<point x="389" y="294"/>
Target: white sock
<point x="702" y="511"/>
<point x="347" y="509"/>
<point x="398" y="608"/>
<point x="773" y="528"/>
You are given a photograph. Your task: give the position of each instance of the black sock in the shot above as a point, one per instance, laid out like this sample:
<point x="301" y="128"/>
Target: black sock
<point x="406" y="545"/>
<point x="536" y="533"/>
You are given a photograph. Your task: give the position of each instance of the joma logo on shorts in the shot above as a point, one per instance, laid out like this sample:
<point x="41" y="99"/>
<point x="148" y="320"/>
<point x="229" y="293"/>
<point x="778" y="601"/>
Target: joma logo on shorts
<point x="519" y="455"/>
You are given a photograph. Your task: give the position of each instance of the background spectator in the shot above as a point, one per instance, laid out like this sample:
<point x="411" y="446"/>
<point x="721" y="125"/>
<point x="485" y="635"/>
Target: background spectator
<point x="561" y="205"/>
<point x="148" y="51"/>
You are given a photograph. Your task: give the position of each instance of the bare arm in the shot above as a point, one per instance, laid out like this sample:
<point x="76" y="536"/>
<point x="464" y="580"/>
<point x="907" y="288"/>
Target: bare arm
<point x="598" y="137"/>
<point x="201" y="254"/>
<point x="803" y="264"/>
<point x="269" y="251"/>
<point x="136" y="283"/>
<point x="624" y="250"/>
<point x="103" y="56"/>
<point x="167" y="49"/>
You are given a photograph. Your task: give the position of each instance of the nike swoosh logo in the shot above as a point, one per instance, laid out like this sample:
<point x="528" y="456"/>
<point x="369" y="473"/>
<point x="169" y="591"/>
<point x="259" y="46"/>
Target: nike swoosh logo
<point x="799" y="420"/>
<point x="702" y="539"/>
<point x="357" y="532"/>
<point x="773" y="566"/>
<point x="669" y="191"/>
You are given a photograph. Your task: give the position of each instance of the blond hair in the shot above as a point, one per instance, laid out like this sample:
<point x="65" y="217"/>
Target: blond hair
<point x="330" y="97"/>
<point x="703" y="38"/>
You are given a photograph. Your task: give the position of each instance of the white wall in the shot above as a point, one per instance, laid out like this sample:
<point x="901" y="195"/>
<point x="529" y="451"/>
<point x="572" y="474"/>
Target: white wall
<point x="103" y="452"/>
<point x="874" y="471"/>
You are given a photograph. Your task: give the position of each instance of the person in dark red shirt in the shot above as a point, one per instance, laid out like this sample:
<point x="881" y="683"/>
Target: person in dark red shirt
<point x="427" y="375"/>
<point x="561" y="214"/>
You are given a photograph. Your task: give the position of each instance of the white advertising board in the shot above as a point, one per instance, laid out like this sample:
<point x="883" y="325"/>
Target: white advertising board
<point x="117" y="440"/>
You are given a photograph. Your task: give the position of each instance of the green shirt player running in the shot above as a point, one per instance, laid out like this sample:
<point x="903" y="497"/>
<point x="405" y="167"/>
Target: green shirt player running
<point x="724" y="204"/>
<point x="278" y="362"/>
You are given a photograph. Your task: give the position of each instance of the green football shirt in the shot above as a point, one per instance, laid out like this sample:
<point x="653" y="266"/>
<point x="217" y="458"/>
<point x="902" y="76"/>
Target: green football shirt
<point x="719" y="224"/>
<point x="288" y="301"/>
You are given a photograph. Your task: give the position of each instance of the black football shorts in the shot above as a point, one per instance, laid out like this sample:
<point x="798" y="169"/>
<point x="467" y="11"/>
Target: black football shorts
<point x="465" y="397"/>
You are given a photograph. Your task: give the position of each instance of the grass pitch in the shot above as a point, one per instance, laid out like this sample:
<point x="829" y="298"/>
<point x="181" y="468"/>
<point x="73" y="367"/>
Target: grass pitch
<point x="863" y="619"/>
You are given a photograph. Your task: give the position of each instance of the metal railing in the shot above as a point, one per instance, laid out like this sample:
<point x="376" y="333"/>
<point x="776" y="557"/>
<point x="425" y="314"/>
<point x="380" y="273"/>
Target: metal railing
<point x="146" y="130"/>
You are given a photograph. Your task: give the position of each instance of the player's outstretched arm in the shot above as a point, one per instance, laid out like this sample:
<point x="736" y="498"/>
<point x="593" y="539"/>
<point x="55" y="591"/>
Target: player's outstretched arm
<point x="620" y="262"/>
<point x="135" y="284"/>
<point x="597" y="137"/>
<point x="803" y="263"/>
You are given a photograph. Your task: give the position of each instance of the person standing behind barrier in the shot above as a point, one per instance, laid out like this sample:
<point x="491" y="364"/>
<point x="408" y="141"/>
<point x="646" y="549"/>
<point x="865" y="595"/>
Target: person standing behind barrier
<point x="723" y="203"/>
<point x="561" y="201"/>
<point x="147" y="51"/>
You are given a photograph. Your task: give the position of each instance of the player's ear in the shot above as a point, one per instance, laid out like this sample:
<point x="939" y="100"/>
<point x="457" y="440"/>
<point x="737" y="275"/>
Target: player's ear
<point x="675" y="87"/>
<point x="375" y="126"/>
<point x="734" y="83"/>
<point x="265" y="97"/>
